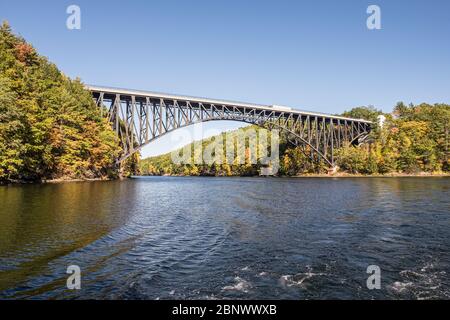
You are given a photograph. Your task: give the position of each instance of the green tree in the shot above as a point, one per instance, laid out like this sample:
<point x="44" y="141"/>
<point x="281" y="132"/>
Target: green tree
<point x="368" y="113"/>
<point x="50" y="126"/>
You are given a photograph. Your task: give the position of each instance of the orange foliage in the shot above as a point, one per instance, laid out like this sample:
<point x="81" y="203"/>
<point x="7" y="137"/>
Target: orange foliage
<point x="24" y="52"/>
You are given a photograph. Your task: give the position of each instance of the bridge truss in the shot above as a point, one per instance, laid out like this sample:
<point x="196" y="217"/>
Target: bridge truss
<point x="140" y="117"/>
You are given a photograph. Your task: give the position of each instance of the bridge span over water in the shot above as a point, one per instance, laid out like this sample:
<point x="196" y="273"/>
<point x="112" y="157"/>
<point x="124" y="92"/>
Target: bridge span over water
<point x="140" y="117"/>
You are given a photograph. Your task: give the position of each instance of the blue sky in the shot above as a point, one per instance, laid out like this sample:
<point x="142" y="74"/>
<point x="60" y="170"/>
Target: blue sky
<point x="312" y="55"/>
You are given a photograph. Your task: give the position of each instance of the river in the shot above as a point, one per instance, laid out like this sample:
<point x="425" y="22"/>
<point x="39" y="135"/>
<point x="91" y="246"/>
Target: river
<point x="220" y="238"/>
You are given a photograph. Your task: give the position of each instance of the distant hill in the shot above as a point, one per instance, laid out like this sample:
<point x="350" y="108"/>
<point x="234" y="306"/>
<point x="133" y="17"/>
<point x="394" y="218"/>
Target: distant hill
<point x="241" y="165"/>
<point x="163" y="164"/>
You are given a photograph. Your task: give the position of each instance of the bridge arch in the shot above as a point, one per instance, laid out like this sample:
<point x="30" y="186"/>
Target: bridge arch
<point x="141" y="117"/>
<point x="281" y="128"/>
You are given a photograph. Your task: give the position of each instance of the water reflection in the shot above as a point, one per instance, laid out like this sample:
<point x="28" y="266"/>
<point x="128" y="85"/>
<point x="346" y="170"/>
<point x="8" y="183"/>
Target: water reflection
<point x="165" y="237"/>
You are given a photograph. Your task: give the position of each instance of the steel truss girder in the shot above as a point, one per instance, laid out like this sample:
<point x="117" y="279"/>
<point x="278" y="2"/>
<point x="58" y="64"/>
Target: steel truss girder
<point x="139" y="120"/>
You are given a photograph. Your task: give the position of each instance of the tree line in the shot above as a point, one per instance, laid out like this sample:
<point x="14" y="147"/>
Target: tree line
<point x="412" y="140"/>
<point x="50" y="127"/>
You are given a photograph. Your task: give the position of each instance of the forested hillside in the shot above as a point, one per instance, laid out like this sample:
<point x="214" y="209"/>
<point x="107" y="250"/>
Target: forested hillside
<point x="49" y="126"/>
<point x="163" y="165"/>
<point x="414" y="139"/>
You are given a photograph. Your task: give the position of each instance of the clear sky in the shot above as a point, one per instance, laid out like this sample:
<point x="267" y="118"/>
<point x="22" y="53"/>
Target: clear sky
<point x="311" y="55"/>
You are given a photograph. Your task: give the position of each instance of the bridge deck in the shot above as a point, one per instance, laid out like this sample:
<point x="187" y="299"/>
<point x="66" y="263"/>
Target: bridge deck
<point x="140" y="93"/>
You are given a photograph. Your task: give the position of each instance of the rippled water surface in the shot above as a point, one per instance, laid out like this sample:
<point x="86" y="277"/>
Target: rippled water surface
<point x="214" y="238"/>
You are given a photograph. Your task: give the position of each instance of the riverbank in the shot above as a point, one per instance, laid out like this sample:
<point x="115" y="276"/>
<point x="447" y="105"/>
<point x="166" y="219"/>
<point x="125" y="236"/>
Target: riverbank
<point x="312" y="175"/>
<point x="55" y="181"/>
<point x="389" y="175"/>
<point x="326" y="175"/>
<point x="77" y="180"/>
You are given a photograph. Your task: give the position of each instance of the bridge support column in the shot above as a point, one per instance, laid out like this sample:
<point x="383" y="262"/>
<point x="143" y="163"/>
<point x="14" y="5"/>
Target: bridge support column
<point x="119" y="166"/>
<point x="333" y="170"/>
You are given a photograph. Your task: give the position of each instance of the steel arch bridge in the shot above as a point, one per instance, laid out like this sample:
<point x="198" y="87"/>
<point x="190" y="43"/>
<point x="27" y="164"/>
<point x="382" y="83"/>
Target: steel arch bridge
<point x="140" y="117"/>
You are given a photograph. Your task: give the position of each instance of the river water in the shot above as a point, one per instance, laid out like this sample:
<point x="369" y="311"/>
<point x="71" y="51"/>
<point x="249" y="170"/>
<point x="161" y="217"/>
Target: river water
<point x="219" y="238"/>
